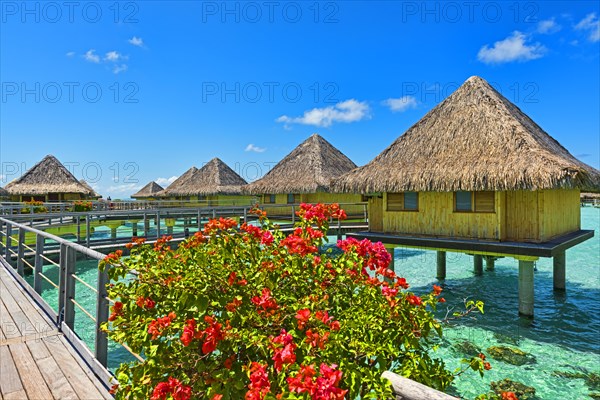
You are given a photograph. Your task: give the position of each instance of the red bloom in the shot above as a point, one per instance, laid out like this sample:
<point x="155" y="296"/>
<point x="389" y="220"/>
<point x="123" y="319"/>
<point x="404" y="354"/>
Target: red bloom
<point x="188" y="332"/>
<point x="233" y="305"/>
<point x="259" y="382"/>
<point x="324" y="387"/>
<point x="117" y="311"/>
<point x="161" y="391"/>
<point x="414" y="300"/>
<point x="265" y="302"/>
<point x="487" y="366"/>
<point x="267" y="238"/>
<point x="147" y="303"/>
<point x="302" y="316"/>
<point x="389" y="292"/>
<point x="156" y="327"/>
<point x="284" y="353"/>
<point x="172" y="387"/>
<point x="113" y="258"/>
<point x="217" y="397"/>
<point x="401" y="282"/>
<point x="437" y="290"/>
<point x="509" y="396"/>
<point x="214" y="334"/>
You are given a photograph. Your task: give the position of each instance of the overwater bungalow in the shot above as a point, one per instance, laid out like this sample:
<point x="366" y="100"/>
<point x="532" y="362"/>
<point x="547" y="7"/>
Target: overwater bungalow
<point x="477" y="175"/>
<point x="304" y="176"/>
<point x="48" y="181"/>
<point x="93" y="194"/>
<point x="214" y="184"/>
<point x="148" y="192"/>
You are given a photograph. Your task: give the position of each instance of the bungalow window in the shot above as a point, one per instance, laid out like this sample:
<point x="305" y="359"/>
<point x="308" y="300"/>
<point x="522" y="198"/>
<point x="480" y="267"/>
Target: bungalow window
<point x="293" y="198"/>
<point x="406" y="201"/>
<point x="483" y="202"/>
<point x="269" y="199"/>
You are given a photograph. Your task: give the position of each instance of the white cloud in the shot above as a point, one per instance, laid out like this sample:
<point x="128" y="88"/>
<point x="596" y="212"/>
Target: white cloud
<point x="345" y="111"/>
<point x="165" y="181"/>
<point x="136" y="41"/>
<point x="591" y="24"/>
<point x="254" y="148"/>
<point x="513" y="48"/>
<point x="114" y="56"/>
<point x="91" y="56"/>
<point x="401" y="104"/>
<point x="548" y="26"/>
<point x="128" y="188"/>
<point x="119" y="68"/>
<point x="70" y="54"/>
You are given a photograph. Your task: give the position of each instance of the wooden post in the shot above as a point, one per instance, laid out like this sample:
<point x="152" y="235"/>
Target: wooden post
<point x="559" y="272"/>
<point x="490" y="263"/>
<point x="441" y="265"/>
<point x="101" y="345"/>
<point x="38" y="263"/>
<point x="293" y="215"/>
<point x="113" y="233"/>
<point x="146" y="225"/>
<point x="526" y="288"/>
<point x="199" y="220"/>
<point x="477" y="264"/>
<point x="21" y="252"/>
<point x="134" y="228"/>
<point x="392" y="265"/>
<point x="70" y="269"/>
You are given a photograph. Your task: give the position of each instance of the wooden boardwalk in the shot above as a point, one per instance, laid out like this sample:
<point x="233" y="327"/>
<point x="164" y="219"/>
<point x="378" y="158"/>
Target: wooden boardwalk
<point x="36" y="361"/>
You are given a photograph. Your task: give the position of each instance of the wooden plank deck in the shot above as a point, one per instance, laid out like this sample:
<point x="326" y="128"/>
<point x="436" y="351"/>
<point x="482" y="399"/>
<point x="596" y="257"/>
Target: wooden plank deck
<point x="36" y="360"/>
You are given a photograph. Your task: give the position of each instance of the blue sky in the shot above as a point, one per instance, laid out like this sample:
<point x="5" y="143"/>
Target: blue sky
<point x="133" y="91"/>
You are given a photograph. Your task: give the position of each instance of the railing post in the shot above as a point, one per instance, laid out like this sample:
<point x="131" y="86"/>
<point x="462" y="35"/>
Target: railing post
<point x="365" y="211"/>
<point x="8" y="242"/>
<point x="38" y="263"/>
<point x="293" y="215"/>
<point x="78" y="229"/>
<point x="67" y="285"/>
<point x="21" y="252"/>
<point x="101" y="345"/>
<point x="87" y="230"/>
<point x="158" y="224"/>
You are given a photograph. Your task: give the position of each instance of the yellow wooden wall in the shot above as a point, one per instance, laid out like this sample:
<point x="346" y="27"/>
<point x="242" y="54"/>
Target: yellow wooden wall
<point x="436" y="217"/>
<point x="524" y="216"/>
<point x="319" y="197"/>
<point x="560" y="212"/>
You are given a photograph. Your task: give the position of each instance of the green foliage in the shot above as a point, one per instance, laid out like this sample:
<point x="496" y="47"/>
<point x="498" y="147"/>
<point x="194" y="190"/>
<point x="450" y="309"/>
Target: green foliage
<point x="252" y="313"/>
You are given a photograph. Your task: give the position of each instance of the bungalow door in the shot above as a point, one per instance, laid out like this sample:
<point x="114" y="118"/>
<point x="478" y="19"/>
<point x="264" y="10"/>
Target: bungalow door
<point x="376" y="214"/>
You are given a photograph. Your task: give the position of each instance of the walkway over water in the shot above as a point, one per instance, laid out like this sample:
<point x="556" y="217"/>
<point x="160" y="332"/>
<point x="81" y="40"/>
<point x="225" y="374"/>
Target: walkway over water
<point x="36" y="360"/>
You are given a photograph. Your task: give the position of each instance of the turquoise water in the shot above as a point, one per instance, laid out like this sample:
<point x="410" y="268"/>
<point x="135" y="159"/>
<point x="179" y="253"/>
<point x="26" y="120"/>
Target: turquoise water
<point x="564" y="336"/>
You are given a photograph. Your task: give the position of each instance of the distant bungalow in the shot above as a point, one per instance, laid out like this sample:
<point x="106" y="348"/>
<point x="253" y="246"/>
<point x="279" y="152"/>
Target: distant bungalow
<point x="213" y="184"/>
<point x="473" y="171"/>
<point x="304" y="176"/>
<point x="148" y="192"/>
<point x="49" y="181"/>
<point x="93" y="194"/>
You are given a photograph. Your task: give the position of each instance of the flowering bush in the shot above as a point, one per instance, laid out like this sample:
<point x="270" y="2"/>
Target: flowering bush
<point x="252" y="313"/>
<point x="82" y="205"/>
<point x="38" y="207"/>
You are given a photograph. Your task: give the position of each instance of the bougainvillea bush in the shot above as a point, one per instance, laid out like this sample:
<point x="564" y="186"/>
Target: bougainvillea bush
<point x="253" y="312"/>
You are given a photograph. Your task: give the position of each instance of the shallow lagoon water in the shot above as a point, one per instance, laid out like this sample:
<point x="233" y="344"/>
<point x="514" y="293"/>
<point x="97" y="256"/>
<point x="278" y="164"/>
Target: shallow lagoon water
<point x="563" y="336"/>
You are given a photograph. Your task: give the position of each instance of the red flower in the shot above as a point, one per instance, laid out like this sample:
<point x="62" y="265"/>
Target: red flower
<point x="214" y="334"/>
<point x="509" y="396"/>
<point x="482" y="356"/>
<point x="265" y="302"/>
<point x="324" y="387"/>
<point x="437" y="290"/>
<point x="188" y="332"/>
<point x="172" y="387"/>
<point x="284" y="353"/>
<point x="233" y="305"/>
<point x="117" y="311"/>
<point x="259" y="382"/>
<point x="414" y="300"/>
<point x="156" y="327"/>
<point x="302" y="316"/>
<point x="487" y="366"/>
<point x="217" y="397"/>
<point x="389" y="292"/>
<point x="161" y="391"/>
<point x="267" y="238"/>
<point x="147" y="303"/>
<point x="113" y="258"/>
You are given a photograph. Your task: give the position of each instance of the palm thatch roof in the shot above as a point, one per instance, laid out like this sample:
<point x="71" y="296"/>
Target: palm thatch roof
<point x="309" y="168"/>
<point x="92" y="193"/>
<point x="177" y="184"/>
<point x="213" y="178"/>
<point x="47" y="176"/>
<point x="474" y="140"/>
<point x="150" y="190"/>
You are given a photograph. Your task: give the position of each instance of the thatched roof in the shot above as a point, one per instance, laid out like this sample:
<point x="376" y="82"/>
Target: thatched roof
<point x="150" y="190"/>
<point x="474" y="140"/>
<point x="213" y="178"/>
<point x="92" y="193"/>
<point x="4" y="192"/>
<point x="47" y="176"/>
<point x="309" y="168"/>
<point x="177" y="183"/>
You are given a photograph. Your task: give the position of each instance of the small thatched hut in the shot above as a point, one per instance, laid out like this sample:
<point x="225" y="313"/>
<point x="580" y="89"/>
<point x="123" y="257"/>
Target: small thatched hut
<point x="213" y="184"/>
<point x="475" y="167"/>
<point x="304" y="176"/>
<point x="148" y="192"/>
<point x="48" y="181"/>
